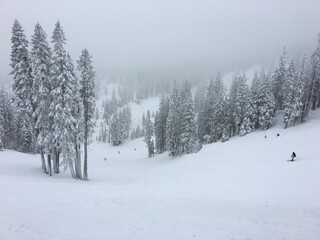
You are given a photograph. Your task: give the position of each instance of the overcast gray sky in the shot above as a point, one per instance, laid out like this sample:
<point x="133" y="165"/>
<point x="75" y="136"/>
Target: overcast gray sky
<point x="198" y="35"/>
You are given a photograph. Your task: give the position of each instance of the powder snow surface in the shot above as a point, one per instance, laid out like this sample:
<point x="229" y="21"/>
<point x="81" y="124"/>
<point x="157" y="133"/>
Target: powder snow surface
<point x="242" y="189"/>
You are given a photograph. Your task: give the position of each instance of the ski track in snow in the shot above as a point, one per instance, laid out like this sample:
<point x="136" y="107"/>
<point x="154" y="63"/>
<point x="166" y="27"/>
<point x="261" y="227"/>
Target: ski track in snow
<point x="238" y="190"/>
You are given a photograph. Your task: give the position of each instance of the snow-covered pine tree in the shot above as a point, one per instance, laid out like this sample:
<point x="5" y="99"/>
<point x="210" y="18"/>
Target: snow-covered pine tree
<point x="160" y="123"/>
<point x="188" y="125"/>
<point x="115" y="130"/>
<point x="3" y="112"/>
<point x="76" y="125"/>
<point x="138" y="132"/>
<point x="218" y="117"/>
<point x="297" y="106"/>
<point x="205" y="114"/>
<point x="266" y="109"/>
<point x="87" y="87"/>
<point x="148" y="133"/>
<point x="174" y="122"/>
<point x="231" y="106"/>
<point x="304" y="79"/>
<point x="199" y="98"/>
<point x="248" y="123"/>
<point x="127" y="120"/>
<point x="133" y="134"/>
<point x="288" y="93"/>
<point x="64" y="108"/>
<point x="278" y="80"/>
<point x="41" y="60"/>
<point x="313" y="100"/>
<point x="255" y="87"/>
<point x="242" y="102"/>
<point x="22" y="86"/>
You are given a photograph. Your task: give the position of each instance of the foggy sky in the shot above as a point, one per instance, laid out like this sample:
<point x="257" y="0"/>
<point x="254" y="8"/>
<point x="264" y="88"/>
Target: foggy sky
<point x="169" y="35"/>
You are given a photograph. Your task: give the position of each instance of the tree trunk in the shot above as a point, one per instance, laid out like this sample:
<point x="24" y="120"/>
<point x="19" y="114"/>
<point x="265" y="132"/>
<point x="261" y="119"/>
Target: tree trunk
<point x="43" y="162"/>
<point x="58" y="162"/>
<point x="85" y="163"/>
<point x="55" y="159"/>
<point x="49" y="165"/>
<point x="78" y="162"/>
<point x="72" y="170"/>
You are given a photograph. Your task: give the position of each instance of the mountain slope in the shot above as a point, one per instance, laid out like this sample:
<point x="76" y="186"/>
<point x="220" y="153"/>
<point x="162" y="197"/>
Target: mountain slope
<point x="241" y="189"/>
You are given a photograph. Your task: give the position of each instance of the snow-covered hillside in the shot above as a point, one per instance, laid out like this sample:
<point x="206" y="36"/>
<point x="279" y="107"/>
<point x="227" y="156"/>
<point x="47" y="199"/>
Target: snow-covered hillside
<point x="241" y="189"/>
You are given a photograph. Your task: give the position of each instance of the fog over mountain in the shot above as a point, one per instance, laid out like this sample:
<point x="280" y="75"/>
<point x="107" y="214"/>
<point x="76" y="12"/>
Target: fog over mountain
<point x="169" y="36"/>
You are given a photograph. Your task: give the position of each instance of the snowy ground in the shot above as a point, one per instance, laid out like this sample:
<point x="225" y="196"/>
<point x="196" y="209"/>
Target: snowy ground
<point x="242" y="189"/>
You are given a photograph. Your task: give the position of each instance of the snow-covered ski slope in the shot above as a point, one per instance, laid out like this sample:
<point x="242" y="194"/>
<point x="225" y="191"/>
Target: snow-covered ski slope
<point x="242" y="189"/>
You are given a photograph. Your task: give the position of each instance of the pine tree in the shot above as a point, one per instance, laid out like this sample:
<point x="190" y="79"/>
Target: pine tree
<point x="187" y="136"/>
<point x="231" y="106"/>
<point x="127" y="120"/>
<point x="218" y="117"/>
<point x="248" y="123"/>
<point x="242" y="106"/>
<point x="173" y="123"/>
<point x="115" y="130"/>
<point x="255" y="87"/>
<point x="40" y="59"/>
<point x="2" y="118"/>
<point x="160" y="123"/>
<point x="148" y="134"/>
<point x="278" y="80"/>
<point x="205" y="114"/>
<point x="88" y="101"/>
<point x="64" y="107"/>
<point x="313" y="85"/>
<point x="22" y="86"/>
<point x="138" y="132"/>
<point x="289" y="93"/>
<point x="304" y="80"/>
<point x="266" y="109"/>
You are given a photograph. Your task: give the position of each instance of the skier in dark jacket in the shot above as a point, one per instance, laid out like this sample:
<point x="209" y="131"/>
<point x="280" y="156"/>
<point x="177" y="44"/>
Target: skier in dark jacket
<point x="293" y="156"/>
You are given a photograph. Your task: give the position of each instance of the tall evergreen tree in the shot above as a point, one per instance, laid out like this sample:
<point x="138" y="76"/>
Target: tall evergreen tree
<point x="173" y="122"/>
<point x="63" y="107"/>
<point x="304" y="79"/>
<point x="231" y="106"/>
<point x="188" y="126"/>
<point x="22" y="86"/>
<point x="6" y="120"/>
<point x="242" y="102"/>
<point x="160" y="123"/>
<point x="205" y="114"/>
<point x="88" y="101"/>
<point x="278" y="80"/>
<point x="255" y="87"/>
<point x="41" y="60"/>
<point x="289" y="93"/>
<point x="148" y="134"/>
<point x="266" y="109"/>
<point x="313" y="88"/>
<point x="218" y="115"/>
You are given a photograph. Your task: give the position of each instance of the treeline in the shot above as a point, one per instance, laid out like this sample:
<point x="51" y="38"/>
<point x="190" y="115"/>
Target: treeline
<point x="52" y="110"/>
<point x="216" y="115"/>
<point x="116" y="121"/>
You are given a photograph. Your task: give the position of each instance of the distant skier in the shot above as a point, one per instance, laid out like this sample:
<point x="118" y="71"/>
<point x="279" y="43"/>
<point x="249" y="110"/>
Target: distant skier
<point x="118" y="152"/>
<point x="293" y="155"/>
<point x="278" y="135"/>
<point x="105" y="159"/>
<point x="135" y="149"/>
